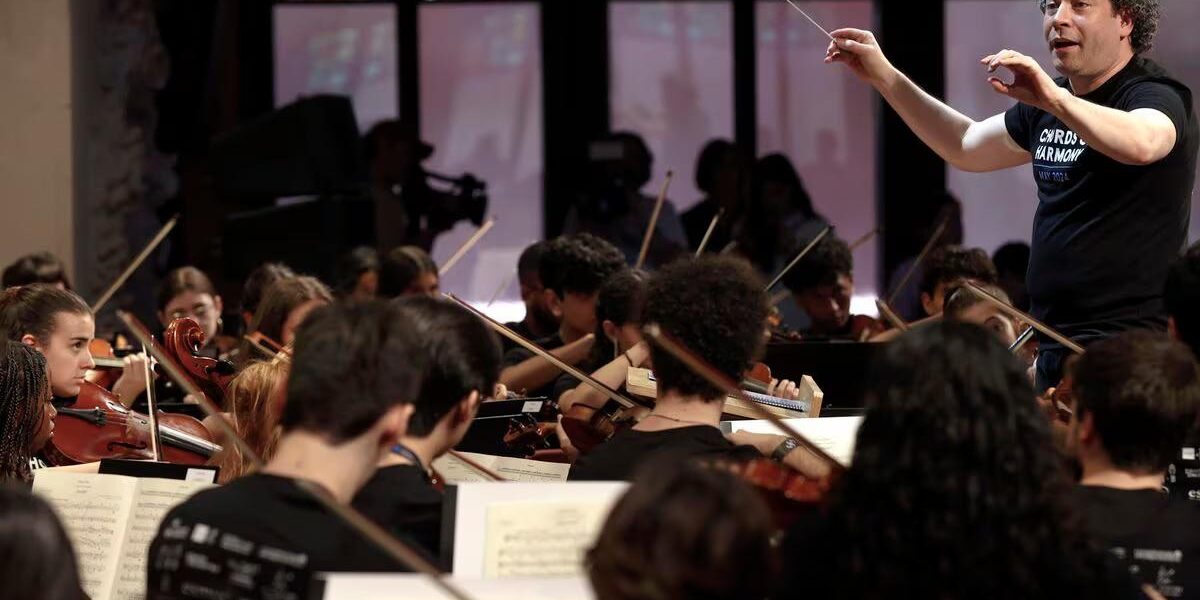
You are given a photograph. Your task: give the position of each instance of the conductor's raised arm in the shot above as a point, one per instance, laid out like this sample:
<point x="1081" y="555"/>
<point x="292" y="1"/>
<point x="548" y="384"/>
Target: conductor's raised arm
<point x="966" y="144"/>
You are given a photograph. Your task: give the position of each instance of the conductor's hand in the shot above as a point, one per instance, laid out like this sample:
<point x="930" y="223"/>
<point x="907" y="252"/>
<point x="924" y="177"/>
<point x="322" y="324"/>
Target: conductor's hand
<point x="1030" y="84"/>
<point x="859" y="50"/>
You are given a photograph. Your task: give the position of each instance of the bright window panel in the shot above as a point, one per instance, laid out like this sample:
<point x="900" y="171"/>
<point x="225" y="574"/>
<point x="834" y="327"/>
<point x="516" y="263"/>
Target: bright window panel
<point x="822" y="118"/>
<point x="481" y="107"/>
<point x="998" y="207"/>
<point x="349" y="50"/>
<point x="672" y="82"/>
<point x="1177" y="47"/>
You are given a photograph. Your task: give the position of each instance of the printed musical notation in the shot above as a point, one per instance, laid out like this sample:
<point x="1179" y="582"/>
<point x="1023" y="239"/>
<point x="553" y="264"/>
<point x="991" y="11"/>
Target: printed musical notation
<point x="111" y="520"/>
<point x="526" y="539"/>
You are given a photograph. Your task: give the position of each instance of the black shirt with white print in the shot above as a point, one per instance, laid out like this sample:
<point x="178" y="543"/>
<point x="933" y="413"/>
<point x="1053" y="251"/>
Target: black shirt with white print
<point x="260" y="536"/>
<point x="1104" y="233"/>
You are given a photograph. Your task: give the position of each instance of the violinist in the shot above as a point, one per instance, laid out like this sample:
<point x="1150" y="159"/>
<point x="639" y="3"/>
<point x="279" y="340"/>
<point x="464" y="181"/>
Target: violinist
<point x="540" y="320"/>
<point x="715" y="306"/>
<point x="946" y="267"/>
<point x="1136" y="397"/>
<point x="39" y="267"/>
<point x="188" y="292"/>
<point x="619" y="343"/>
<point x="954" y="469"/>
<point x="355" y="370"/>
<point x="256" y="285"/>
<point x="1182" y="297"/>
<point x="254" y="404"/>
<point x="407" y="271"/>
<point x="283" y="307"/>
<point x="59" y="324"/>
<point x="822" y="284"/>
<point x="358" y="274"/>
<point x="26" y="413"/>
<point x="963" y="305"/>
<point x="684" y="531"/>
<point x="572" y="268"/>
<point x="463" y="364"/>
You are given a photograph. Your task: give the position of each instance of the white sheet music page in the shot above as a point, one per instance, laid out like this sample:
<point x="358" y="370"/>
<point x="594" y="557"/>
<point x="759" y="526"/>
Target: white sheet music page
<point x="540" y="539"/>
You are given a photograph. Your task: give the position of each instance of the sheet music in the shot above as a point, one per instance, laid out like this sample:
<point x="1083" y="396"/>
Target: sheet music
<point x="454" y="470"/>
<point x="409" y="586"/>
<point x="155" y="498"/>
<point x="835" y="435"/>
<point x="95" y="512"/>
<point x="540" y="539"/>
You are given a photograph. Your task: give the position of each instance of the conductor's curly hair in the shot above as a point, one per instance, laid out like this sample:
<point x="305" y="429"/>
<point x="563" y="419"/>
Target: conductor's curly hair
<point x="1144" y="13"/>
<point x="956" y="490"/>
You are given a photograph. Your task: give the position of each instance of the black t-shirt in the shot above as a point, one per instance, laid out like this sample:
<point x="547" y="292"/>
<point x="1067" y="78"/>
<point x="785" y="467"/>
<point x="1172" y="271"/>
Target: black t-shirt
<point x="618" y="458"/>
<point x="519" y="355"/>
<point x="1156" y="536"/>
<point x="1183" y="474"/>
<point x="521" y="329"/>
<point x="814" y="549"/>
<point x="260" y="536"/>
<point x="1105" y="233"/>
<point x="402" y="499"/>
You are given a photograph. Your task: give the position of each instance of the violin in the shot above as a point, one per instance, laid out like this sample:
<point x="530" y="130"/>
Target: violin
<point x="588" y="426"/>
<point x="182" y="341"/>
<point x="108" y="367"/>
<point x="787" y="492"/>
<point x="97" y="426"/>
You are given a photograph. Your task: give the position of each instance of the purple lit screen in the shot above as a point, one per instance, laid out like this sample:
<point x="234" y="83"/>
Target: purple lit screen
<point x="338" y="49"/>
<point x="481" y="107"/>
<point x="672" y="82"/>
<point x="998" y="207"/>
<point x="822" y="118"/>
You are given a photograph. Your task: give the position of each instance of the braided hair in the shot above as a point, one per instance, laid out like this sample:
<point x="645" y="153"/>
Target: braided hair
<point x="24" y="389"/>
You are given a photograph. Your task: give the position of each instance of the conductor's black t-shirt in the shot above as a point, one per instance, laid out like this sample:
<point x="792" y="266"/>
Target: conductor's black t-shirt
<point x="1105" y="233"/>
<point x="1156" y="536"/>
<point x="260" y="536"/>
<point x="619" y="458"/>
<point x="402" y="499"/>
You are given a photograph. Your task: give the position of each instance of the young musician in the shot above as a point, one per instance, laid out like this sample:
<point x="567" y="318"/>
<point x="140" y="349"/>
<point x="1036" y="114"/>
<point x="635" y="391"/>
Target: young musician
<point x="684" y="532"/>
<point x="1182" y="298"/>
<point x="1136" y="399"/>
<point x="26" y="413"/>
<point x="540" y="321"/>
<point x="716" y="307"/>
<point x="39" y="267"/>
<point x="619" y="344"/>
<point x="257" y="283"/>
<point x="955" y="489"/>
<point x="284" y="306"/>
<point x="463" y="365"/>
<point x="254" y="401"/>
<point x="407" y="271"/>
<point x="1113" y="145"/>
<point x="964" y="305"/>
<point x="37" y="561"/>
<point x="355" y="370"/>
<point x="949" y="266"/>
<point x="358" y="274"/>
<point x="59" y="324"/>
<point x="822" y="284"/>
<point x="572" y="268"/>
<point x="188" y="292"/>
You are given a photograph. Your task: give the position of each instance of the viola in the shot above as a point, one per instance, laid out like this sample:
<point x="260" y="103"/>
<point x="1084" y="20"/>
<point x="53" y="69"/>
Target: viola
<point x="182" y="341"/>
<point x="96" y="426"/>
<point x="588" y="426"/>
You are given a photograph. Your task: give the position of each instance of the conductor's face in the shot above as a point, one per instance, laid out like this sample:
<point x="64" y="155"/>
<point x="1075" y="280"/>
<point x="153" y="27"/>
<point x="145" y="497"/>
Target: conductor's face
<point x="1086" y="37"/>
